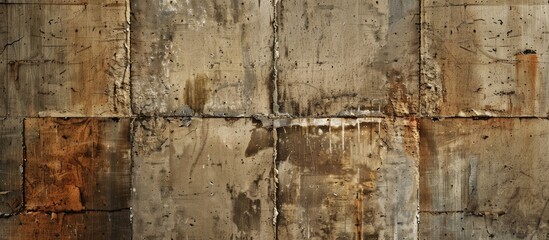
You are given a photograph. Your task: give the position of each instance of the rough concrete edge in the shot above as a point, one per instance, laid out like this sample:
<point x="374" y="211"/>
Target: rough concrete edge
<point x="132" y="166"/>
<point x="128" y="63"/>
<point x="276" y="215"/>
<point x="275" y="107"/>
<point x="421" y="4"/>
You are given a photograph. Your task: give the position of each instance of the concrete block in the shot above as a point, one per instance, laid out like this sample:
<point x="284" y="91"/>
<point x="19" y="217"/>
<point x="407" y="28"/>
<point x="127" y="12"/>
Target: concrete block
<point x="203" y="179"/>
<point x="89" y="226"/>
<point x="476" y="172"/>
<point x="64" y="58"/>
<point x="485" y="58"/>
<point x="11" y="163"/>
<point x="202" y="57"/>
<point x="347" y="58"/>
<point x="347" y="178"/>
<point x="77" y="164"/>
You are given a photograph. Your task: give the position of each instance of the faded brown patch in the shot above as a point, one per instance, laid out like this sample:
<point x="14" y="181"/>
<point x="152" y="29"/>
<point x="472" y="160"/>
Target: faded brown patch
<point x="261" y="139"/>
<point x="76" y="164"/>
<point x="11" y="159"/>
<point x="426" y="150"/>
<point x="197" y="92"/>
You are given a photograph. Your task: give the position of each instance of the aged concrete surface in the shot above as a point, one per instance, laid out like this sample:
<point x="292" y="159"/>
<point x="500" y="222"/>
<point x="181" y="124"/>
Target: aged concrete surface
<point x="201" y="57"/>
<point x="347" y="179"/>
<point x="77" y="164"/>
<point x="11" y="161"/>
<point x="64" y="58"/>
<point x="89" y="225"/>
<point x="482" y="178"/>
<point x="347" y="57"/>
<point x="485" y="58"/>
<point x="203" y="179"/>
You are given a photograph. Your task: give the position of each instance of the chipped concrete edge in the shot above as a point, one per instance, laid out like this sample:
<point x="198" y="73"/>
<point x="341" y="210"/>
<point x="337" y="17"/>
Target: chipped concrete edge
<point x="275" y="106"/>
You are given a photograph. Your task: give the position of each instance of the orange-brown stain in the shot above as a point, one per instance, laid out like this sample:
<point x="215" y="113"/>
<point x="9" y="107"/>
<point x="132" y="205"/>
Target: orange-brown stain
<point x="71" y="164"/>
<point x="526" y="69"/>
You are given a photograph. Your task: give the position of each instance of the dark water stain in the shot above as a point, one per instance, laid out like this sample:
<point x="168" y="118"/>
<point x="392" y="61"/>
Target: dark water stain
<point x="246" y="213"/>
<point x="197" y="93"/>
<point x="219" y="14"/>
<point x="261" y="139"/>
<point x="236" y="10"/>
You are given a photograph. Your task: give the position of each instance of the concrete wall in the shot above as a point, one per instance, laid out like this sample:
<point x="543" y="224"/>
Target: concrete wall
<point x="279" y="119"/>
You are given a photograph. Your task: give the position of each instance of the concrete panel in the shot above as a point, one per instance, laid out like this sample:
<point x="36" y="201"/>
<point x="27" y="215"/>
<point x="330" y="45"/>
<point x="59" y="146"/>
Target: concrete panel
<point x="64" y="58"/>
<point x="11" y="161"/>
<point x="347" y="179"/>
<point x="89" y="226"/>
<point x="485" y="58"/>
<point x="203" y="179"/>
<point x="477" y="172"/>
<point x="77" y="164"/>
<point x="202" y="57"/>
<point x="356" y="57"/>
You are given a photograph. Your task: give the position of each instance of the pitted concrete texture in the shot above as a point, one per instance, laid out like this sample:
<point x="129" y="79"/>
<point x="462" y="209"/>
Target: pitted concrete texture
<point x="203" y="179"/>
<point x="202" y="57"/>
<point x="347" y="58"/>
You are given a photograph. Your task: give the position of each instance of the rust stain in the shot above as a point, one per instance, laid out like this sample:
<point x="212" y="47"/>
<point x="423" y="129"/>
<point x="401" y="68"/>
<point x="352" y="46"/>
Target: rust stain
<point x="70" y="164"/>
<point x="526" y="69"/>
<point x="46" y="226"/>
<point x="58" y="157"/>
<point x="197" y="92"/>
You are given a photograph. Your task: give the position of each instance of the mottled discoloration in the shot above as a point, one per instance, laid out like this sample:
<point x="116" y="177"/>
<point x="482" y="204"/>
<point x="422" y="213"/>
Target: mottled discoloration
<point x="484" y="177"/>
<point x="87" y="226"/>
<point x="77" y="163"/>
<point x="197" y="179"/>
<point x="485" y="58"/>
<point x="225" y="43"/>
<point x="11" y="161"/>
<point x="346" y="179"/>
<point x="64" y="58"/>
<point x="347" y="58"/>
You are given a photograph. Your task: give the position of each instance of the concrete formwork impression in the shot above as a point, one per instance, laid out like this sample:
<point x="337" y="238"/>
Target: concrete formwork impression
<point x="274" y="119"/>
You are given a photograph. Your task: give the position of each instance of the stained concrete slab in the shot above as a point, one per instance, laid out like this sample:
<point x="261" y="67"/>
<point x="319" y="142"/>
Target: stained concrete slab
<point x="481" y="178"/>
<point x="347" y="58"/>
<point x="11" y="163"/>
<point x="195" y="58"/>
<point x="64" y="58"/>
<point x="89" y="225"/>
<point x="77" y="164"/>
<point x="347" y="178"/>
<point x="486" y="58"/>
<point x="203" y="179"/>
